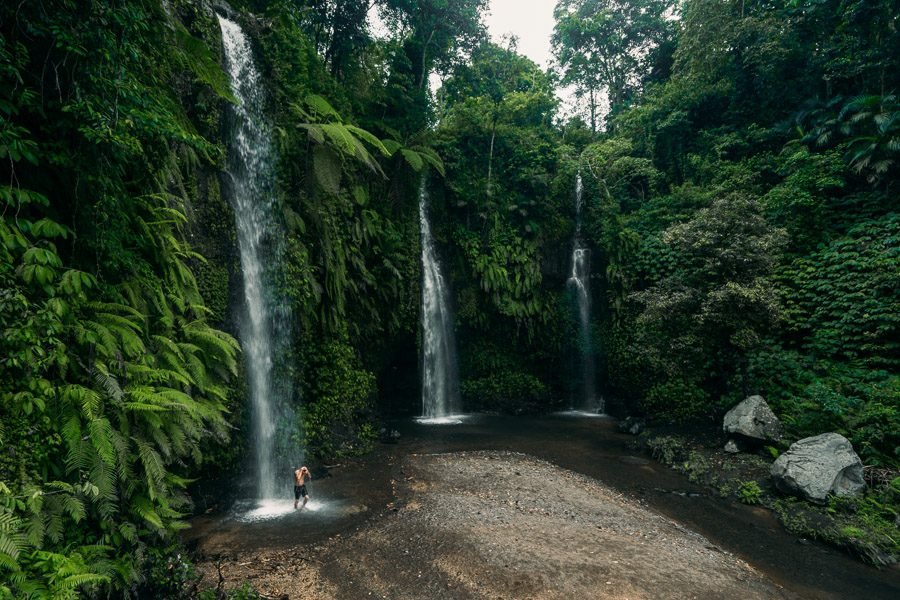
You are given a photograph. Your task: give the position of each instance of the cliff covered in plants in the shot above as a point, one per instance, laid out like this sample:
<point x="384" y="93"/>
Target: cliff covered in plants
<point x="739" y="162"/>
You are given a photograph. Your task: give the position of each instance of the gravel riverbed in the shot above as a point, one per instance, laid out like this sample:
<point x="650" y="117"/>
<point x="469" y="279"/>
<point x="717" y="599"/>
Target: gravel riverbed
<point x="498" y="525"/>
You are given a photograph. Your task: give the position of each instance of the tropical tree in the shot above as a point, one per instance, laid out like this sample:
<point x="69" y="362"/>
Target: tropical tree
<point x="603" y="48"/>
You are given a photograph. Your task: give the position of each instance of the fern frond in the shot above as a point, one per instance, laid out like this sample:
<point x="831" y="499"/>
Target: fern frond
<point x="128" y="532"/>
<point x="321" y="107"/>
<point x="109" y="384"/>
<point x="100" y="433"/>
<point x="153" y="467"/>
<point x="162" y="442"/>
<point x="432" y="158"/>
<point x="53" y="526"/>
<point x="143" y="508"/>
<point x="413" y="159"/>
<point x="369" y="139"/>
<point x="86" y="399"/>
<point x="72" y="582"/>
<point x="75" y="507"/>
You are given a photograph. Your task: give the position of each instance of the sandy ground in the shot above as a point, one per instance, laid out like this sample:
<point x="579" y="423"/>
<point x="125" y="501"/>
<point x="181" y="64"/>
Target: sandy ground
<point x="498" y="525"/>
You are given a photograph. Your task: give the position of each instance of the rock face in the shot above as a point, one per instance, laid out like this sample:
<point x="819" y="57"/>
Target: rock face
<point x="753" y="419"/>
<point x="816" y="466"/>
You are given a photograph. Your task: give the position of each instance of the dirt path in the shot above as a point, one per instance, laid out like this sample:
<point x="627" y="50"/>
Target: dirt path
<point x="503" y="525"/>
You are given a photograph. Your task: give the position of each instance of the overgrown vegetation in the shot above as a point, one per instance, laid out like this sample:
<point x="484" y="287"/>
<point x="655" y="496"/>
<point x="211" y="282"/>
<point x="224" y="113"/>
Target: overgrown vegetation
<point x="112" y="380"/>
<point x="740" y="172"/>
<point x="865" y="526"/>
<point x="742" y="209"/>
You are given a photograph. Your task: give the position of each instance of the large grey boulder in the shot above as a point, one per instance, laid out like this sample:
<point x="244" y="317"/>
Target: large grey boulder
<point x="816" y="466"/>
<point x="753" y="419"/>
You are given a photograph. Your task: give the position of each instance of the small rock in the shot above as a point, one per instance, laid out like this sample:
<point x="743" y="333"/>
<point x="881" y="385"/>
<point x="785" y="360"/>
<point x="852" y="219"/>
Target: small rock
<point x="631" y="425"/>
<point x="731" y="447"/>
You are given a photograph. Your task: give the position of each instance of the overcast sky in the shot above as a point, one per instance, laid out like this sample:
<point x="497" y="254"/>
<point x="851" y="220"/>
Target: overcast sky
<point x="529" y="20"/>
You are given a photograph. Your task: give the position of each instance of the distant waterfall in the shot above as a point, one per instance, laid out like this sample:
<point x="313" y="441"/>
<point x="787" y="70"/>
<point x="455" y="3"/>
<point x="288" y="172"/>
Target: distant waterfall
<point x="440" y="388"/>
<point x="251" y="193"/>
<point x="579" y="282"/>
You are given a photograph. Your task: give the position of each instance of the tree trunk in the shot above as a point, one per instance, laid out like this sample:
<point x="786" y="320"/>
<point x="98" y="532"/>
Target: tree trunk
<point x="491" y="158"/>
<point x="424" y="62"/>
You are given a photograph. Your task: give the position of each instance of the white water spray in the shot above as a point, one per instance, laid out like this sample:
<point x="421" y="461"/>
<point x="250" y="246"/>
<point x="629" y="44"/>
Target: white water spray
<point x="440" y="388"/>
<point x="579" y="282"/>
<point x="251" y="194"/>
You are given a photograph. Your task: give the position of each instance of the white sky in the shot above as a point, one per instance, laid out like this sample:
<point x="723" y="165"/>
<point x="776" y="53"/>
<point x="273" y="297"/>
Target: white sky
<point x="529" y="20"/>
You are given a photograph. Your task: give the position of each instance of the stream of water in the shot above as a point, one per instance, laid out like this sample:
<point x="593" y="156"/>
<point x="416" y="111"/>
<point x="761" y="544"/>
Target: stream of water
<point x="250" y="190"/>
<point x="579" y="283"/>
<point x="440" y="382"/>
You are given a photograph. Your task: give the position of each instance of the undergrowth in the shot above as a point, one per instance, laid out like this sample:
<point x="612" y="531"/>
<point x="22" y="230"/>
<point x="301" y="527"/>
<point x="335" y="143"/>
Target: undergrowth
<point x="867" y="527"/>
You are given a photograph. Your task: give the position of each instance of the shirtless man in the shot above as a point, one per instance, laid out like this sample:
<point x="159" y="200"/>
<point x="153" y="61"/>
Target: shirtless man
<point x="301" y="476"/>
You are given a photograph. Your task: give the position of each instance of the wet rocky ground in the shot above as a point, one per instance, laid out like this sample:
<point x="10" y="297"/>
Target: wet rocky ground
<point x="551" y="507"/>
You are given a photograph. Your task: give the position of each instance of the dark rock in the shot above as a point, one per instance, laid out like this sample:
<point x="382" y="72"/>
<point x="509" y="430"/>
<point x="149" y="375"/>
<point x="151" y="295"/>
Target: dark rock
<point x="753" y="419"/>
<point x="631" y="425"/>
<point x="389" y="437"/>
<point x="817" y="466"/>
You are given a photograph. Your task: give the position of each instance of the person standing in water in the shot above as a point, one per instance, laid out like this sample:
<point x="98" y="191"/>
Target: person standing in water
<point x="301" y="476"/>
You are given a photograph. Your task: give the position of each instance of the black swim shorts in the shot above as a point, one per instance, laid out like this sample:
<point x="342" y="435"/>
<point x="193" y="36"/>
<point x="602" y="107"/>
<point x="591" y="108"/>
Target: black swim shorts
<point x="300" y="490"/>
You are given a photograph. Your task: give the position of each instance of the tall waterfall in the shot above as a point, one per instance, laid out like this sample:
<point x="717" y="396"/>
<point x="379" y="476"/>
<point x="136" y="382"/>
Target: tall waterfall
<point x="440" y="384"/>
<point x="250" y="187"/>
<point x="579" y="282"/>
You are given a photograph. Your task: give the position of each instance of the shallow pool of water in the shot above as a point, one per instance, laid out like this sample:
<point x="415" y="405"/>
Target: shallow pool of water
<point x="253" y="511"/>
<point x="445" y="420"/>
<point x="581" y="413"/>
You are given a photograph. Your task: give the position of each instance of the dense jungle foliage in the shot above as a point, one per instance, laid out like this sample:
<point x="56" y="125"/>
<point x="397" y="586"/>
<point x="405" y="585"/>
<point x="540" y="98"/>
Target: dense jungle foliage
<point x="740" y="169"/>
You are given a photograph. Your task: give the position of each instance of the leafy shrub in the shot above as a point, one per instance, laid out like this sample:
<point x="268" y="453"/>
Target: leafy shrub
<point x="814" y="396"/>
<point x="678" y="401"/>
<point x="167" y="572"/>
<point x="749" y="492"/>
<point x="507" y="391"/>
<point x="667" y="449"/>
<point x="337" y="418"/>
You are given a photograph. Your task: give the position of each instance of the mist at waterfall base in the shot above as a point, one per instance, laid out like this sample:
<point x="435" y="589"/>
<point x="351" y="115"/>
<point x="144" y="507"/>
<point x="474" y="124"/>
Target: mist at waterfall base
<point x="249" y="187"/>
<point x="585" y="400"/>
<point x="440" y="378"/>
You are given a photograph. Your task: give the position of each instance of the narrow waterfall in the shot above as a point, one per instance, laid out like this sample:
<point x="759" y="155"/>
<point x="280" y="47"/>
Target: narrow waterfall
<point x="579" y="282"/>
<point x="250" y="190"/>
<point x="440" y="387"/>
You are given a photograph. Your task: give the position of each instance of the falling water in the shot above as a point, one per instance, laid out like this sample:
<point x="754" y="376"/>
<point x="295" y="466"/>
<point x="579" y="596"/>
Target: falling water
<point x="579" y="282"/>
<point x="440" y="391"/>
<point x="250" y="188"/>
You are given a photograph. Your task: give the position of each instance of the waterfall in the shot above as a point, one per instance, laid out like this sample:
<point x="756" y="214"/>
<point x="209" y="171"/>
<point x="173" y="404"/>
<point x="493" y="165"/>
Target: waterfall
<point x="440" y="390"/>
<point x="250" y="187"/>
<point x="579" y="282"/>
